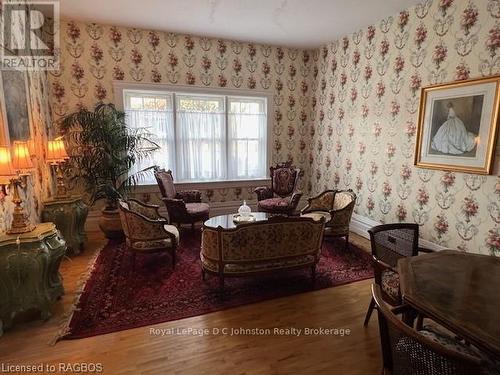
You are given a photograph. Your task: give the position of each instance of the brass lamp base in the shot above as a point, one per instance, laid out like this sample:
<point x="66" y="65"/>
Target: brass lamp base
<point x="61" y="190"/>
<point x="19" y="222"/>
<point x="25" y="229"/>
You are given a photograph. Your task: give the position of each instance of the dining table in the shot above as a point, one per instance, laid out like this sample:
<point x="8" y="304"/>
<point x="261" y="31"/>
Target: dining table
<point x="458" y="290"/>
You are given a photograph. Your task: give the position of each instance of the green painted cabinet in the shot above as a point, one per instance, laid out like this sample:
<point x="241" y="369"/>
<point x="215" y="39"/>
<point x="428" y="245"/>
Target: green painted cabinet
<point x="29" y="272"/>
<point x="69" y="216"/>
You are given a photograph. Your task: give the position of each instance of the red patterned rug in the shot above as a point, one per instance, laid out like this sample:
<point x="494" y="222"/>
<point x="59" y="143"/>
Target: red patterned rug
<point x="116" y="298"/>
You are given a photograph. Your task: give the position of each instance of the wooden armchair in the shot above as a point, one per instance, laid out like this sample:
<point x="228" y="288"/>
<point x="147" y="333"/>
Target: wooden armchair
<point x="282" y="197"/>
<point x="336" y="206"/>
<point x="146" y="231"/>
<point x="184" y="207"/>
<point x="389" y="243"/>
<point x="406" y="351"/>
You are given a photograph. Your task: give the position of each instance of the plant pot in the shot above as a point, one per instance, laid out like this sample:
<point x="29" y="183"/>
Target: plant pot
<point x="110" y="223"/>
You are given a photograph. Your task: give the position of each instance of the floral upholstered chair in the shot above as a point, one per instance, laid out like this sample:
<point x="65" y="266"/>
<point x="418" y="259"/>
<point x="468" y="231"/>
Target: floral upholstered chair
<point x="146" y="231"/>
<point x="282" y="197"/>
<point x="184" y="207"/>
<point x="336" y="206"/>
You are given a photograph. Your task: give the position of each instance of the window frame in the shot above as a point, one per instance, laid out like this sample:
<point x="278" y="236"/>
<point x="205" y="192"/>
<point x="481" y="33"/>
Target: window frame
<point x="120" y="87"/>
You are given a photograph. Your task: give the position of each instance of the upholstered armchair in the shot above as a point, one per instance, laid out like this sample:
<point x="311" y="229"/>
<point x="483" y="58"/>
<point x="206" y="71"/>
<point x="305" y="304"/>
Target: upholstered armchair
<point x="282" y="197"/>
<point x="146" y="231"/>
<point x="336" y="206"/>
<point x="184" y="207"/>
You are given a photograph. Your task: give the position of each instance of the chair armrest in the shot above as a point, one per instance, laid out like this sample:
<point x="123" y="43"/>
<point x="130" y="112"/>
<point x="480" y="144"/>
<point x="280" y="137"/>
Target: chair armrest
<point x="173" y="233"/>
<point x="294" y="201"/>
<point x="378" y="268"/>
<point x="425" y="250"/>
<point x="190" y="196"/>
<point x="263" y="192"/>
<point x="149" y="210"/>
<point x="174" y="205"/>
<point x="342" y="216"/>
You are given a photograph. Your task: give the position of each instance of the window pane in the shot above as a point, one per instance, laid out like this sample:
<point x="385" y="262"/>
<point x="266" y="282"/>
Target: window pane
<point x="201" y="138"/>
<point x="154" y="114"/>
<point x="247" y="137"/>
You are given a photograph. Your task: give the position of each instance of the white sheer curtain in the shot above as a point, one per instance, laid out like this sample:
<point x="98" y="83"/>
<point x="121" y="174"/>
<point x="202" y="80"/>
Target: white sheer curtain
<point x="160" y="123"/>
<point x="201" y="138"/>
<point x="247" y="138"/>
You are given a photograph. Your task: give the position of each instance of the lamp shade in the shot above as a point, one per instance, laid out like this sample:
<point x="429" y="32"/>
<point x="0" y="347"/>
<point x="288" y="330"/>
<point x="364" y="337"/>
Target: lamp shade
<point x="6" y="169"/>
<point x="21" y="160"/>
<point x="56" y="151"/>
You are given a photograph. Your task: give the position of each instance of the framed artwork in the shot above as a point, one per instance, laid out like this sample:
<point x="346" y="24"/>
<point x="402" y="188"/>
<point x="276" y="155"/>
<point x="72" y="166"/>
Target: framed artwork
<point x="15" y="106"/>
<point x="458" y="126"/>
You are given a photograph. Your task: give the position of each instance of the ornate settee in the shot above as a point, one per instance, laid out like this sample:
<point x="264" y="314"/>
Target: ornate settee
<point x="280" y="243"/>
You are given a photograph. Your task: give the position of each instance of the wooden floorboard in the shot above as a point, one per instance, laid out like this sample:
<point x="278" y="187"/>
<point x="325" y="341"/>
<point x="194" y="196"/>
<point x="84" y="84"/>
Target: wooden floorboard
<point x="136" y="351"/>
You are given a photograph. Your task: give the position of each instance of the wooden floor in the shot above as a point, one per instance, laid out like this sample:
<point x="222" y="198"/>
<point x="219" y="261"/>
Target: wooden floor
<point x="137" y="351"/>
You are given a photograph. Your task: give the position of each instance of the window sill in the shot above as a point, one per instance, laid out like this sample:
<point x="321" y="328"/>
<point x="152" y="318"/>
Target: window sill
<point x="204" y="185"/>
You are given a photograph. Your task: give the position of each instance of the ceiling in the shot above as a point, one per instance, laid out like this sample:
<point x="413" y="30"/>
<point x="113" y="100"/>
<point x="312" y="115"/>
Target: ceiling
<point x="294" y="23"/>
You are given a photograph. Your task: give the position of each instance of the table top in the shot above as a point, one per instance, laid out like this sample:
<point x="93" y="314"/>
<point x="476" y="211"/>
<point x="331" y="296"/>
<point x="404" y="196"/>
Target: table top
<point x="459" y="291"/>
<point x="41" y="231"/>
<point x="65" y="200"/>
<point x="227" y="222"/>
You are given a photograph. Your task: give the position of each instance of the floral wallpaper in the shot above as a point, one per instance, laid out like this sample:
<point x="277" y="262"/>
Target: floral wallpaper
<point x="345" y="113"/>
<point x="365" y="103"/>
<point x="39" y="183"/>
<point x="94" y="55"/>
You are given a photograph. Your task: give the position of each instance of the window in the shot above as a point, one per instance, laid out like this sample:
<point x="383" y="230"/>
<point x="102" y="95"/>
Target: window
<point x="202" y="137"/>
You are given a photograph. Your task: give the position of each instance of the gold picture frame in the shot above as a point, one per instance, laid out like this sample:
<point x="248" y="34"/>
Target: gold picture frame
<point x="458" y="126"/>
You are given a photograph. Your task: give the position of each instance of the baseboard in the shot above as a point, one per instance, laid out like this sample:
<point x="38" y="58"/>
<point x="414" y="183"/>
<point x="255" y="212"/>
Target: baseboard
<point x="361" y="224"/>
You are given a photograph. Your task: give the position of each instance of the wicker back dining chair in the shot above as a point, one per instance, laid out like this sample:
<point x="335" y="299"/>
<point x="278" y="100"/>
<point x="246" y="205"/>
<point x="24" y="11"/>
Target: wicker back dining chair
<point x="406" y="351"/>
<point x="390" y="242"/>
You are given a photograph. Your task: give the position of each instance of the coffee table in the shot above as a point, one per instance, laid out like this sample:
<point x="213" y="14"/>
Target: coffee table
<point x="226" y="221"/>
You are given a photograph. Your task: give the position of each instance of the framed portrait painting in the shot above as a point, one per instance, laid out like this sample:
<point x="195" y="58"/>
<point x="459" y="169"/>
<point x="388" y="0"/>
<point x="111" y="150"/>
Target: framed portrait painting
<point x="458" y="126"/>
<point x="16" y="111"/>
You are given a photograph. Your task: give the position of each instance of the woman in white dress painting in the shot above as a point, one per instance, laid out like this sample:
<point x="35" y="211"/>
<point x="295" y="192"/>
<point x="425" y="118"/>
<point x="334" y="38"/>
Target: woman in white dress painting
<point x="452" y="137"/>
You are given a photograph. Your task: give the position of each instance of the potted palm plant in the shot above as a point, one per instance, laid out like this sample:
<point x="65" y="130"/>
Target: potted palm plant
<point x="103" y="151"/>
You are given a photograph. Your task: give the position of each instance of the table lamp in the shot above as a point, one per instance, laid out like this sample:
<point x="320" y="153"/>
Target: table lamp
<point x="22" y="165"/>
<point x="56" y="156"/>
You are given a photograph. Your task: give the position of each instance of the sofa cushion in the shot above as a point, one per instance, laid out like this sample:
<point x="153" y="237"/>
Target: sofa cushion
<point x="257" y="267"/>
<point x="390" y="283"/>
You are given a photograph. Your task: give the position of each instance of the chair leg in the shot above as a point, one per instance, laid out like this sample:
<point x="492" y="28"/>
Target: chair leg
<point x="420" y="322"/>
<point x="347" y="242"/>
<point x="174" y="256"/>
<point x="221" y="283"/>
<point x="203" y="274"/>
<point x="192" y="226"/>
<point x="369" y="312"/>
<point x="313" y="274"/>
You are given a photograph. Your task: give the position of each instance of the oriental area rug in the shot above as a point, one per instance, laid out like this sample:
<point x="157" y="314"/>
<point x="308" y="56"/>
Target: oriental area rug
<point x="119" y="295"/>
